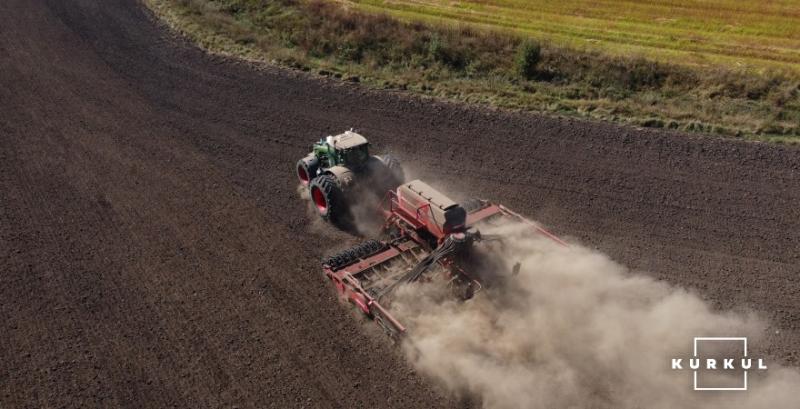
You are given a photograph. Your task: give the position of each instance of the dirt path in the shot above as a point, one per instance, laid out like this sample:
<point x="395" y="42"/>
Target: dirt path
<point x="153" y="251"/>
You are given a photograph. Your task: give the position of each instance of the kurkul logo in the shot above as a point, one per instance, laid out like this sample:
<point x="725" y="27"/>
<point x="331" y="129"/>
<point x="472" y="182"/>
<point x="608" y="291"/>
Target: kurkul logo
<point x="727" y="364"/>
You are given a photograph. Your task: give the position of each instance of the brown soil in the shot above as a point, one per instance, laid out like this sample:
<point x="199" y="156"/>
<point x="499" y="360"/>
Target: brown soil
<point x="154" y="250"/>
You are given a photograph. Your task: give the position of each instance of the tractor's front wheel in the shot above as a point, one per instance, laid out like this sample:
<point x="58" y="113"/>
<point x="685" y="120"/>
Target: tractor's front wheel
<point x="327" y="197"/>
<point x="307" y="169"/>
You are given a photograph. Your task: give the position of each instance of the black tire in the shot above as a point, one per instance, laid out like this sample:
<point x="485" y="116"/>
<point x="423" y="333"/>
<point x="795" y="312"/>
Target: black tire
<point x="307" y="169"/>
<point x="472" y="205"/>
<point x="369" y="248"/>
<point x="327" y="198"/>
<point x="395" y="169"/>
<point x="385" y="172"/>
<point x="354" y="253"/>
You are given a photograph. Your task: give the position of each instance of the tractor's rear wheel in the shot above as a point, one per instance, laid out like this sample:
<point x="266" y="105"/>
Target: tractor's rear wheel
<point x="395" y="170"/>
<point x="386" y="173"/>
<point x="327" y="198"/>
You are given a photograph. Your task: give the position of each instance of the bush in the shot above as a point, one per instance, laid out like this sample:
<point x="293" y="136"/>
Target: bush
<point x="528" y="55"/>
<point x="442" y="50"/>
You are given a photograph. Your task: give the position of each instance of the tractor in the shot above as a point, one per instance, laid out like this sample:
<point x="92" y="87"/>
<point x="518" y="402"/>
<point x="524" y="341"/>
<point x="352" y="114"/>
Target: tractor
<point x="423" y="231"/>
<point x="340" y="168"/>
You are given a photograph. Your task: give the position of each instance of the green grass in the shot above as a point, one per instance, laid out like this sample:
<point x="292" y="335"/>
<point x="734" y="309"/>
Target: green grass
<point x="744" y="34"/>
<point x="532" y="56"/>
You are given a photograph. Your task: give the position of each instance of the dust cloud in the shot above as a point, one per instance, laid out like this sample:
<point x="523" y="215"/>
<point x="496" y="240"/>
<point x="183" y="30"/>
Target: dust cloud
<point x="361" y="219"/>
<point x="574" y="329"/>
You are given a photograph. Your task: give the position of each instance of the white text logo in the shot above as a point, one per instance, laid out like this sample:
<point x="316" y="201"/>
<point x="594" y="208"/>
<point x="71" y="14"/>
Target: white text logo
<point x="727" y="365"/>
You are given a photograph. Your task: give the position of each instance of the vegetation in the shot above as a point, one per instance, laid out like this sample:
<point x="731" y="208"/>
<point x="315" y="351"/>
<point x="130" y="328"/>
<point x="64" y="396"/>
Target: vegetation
<point x="501" y="67"/>
<point x="528" y="58"/>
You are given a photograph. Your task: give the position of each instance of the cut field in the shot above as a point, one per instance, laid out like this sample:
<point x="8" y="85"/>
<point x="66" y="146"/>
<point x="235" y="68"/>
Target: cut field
<point x="754" y="35"/>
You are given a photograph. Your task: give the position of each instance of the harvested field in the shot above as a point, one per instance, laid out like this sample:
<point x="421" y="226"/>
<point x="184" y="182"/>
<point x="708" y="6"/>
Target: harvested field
<point x="725" y="32"/>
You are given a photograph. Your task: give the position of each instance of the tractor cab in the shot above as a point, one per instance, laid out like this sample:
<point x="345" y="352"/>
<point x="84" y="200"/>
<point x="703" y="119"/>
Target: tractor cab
<point x="348" y="149"/>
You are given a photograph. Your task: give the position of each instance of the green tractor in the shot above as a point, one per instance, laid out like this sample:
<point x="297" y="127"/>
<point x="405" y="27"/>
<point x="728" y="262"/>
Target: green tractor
<point x="340" y="168"/>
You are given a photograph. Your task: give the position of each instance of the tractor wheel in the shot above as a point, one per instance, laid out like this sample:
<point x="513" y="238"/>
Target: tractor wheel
<point x="327" y="198"/>
<point x="307" y="169"/>
<point x="395" y="169"/>
<point x="386" y="173"/>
